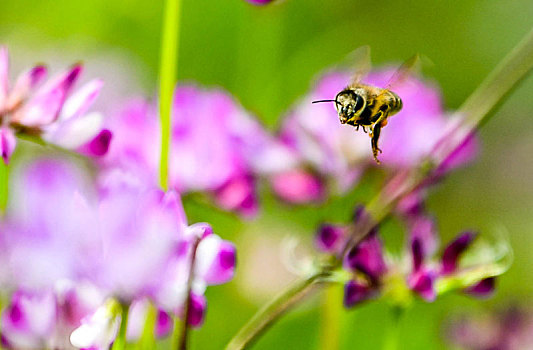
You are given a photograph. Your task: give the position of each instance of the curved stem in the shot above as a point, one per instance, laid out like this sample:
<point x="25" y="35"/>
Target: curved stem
<point x="167" y="78"/>
<point x="184" y="333"/>
<point x="120" y="341"/>
<point x="147" y="340"/>
<point x="331" y="318"/>
<point x="272" y="311"/>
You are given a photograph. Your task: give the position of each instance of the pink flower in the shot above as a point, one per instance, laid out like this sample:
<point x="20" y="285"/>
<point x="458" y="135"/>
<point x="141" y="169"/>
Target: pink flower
<point x="341" y="154"/>
<point x="46" y="318"/>
<point x="49" y="112"/>
<point x="217" y="147"/>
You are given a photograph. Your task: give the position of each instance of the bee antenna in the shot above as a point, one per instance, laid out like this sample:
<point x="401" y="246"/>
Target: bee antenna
<point x="320" y="101"/>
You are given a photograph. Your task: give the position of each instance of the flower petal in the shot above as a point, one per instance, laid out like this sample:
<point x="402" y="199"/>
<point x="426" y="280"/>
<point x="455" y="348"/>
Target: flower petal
<point x="4" y="76"/>
<point x="216" y="260"/>
<point x="454" y="250"/>
<point x="417" y="253"/>
<point x="423" y="283"/>
<point x="238" y="194"/>
<point x="98" y="146"/>
<point x="483" y="289"/>
<point x="329" y="238"/>
<point x="163" y="325"/>
<point x="25" y="83"/>
<point x="297" y="186"/>
<point x="367" y="257"/>
<point x="29" y="320"/>
<point x="197" y="310"/>
<point x="44" y="107"/>
<point x="80" y="102"/>
<point x="8" y="141"/>
<point x="97" y="331"/>
<point x="355" y="293"/>
<point x="75" y="132"/>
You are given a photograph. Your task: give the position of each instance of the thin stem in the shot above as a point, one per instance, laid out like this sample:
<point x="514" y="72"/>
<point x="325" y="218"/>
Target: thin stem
<point x="147" y="340"/>
<point x="272" y="311"/>
<point x="120" y="341"/>
<point x="167" y="78"/>
<point x="475" y="112"/>
<point x="181" y="335"/>
<point x="4" y="186"/>
<point x="392" y="336"/>
<point x="331" y="317"/>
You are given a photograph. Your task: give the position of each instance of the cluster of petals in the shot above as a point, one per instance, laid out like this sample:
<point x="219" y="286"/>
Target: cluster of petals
<point x="51" y="111"/>
<point x="335" y="154"/>
<point x="126" y="243"/>
<point x="369" y="267"/>
<point x="509" y="329"/>
<point x="217" y="147"/>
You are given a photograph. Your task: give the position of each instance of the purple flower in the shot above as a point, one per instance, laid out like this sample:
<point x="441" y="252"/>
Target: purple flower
<point x="509" y="329"/>
<point x="368" y="268"/>
<point x="45" y="319"/>
<point x="137" y="318"/>
<point x="29" y="320"/>
<point x="216" y="147"/>
<point x="49" y="112"/>
<point x="339" y="153"/>
<point x="130" y="243"/>
<point x="356" y="292"/>
<point x="367" y="257"/>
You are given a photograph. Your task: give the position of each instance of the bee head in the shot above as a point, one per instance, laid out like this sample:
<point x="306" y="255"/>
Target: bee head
<point x="349" y="105"/>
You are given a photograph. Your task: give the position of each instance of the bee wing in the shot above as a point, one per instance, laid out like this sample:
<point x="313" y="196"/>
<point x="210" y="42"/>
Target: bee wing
<point x="361" y="63"/>
<point x="404" y="71"/>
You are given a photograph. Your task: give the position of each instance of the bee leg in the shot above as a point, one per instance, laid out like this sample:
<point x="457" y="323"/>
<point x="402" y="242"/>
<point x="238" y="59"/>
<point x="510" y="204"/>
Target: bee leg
<point x="357" y="127"/>
<point x="364" y="129"/>
<point x="376" y="131"/>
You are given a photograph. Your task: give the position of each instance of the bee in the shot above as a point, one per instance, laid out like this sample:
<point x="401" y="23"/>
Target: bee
<point x="364" y="105"/>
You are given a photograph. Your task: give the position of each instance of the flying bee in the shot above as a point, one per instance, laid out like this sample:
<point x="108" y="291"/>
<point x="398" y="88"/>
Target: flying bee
<point x="364" y="105"/>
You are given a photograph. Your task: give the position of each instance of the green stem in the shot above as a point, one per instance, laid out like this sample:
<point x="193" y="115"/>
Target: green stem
<point x="475" y="112"/>
<point x="271" y="312"/>
<point x="147" y="341"/>
<point x="120" y="341"/>
<point x="4" y="186"/>
<point x="184" y="333"/>
<point x="331" y="317"/>
<point x="392" y="336"/>
<point x="167" y="79"/>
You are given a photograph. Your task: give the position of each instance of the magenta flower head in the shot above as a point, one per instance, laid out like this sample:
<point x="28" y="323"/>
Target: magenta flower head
<point x="338" y="153"/>
<point x="369" y="270"/>
<point x="216" y="147"/>
<point x="49" y="112"/>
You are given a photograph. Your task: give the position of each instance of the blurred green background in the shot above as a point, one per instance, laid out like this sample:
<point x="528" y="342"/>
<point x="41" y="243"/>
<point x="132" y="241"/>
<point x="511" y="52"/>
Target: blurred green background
<point x="268" y="57"/>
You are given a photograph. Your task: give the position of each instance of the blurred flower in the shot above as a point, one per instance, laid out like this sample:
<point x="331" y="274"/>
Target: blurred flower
<point x="45" y="319"/>
<point x="339" y="154"/>
<point x="127" y="242"/>
<point x="510" y="329"/>
<point x="49" y="112"/>
<point x="216" y="147"/>
<point x="97" y="331"/>
<point x="370" y="270"/>
<point x="137" y="318"/>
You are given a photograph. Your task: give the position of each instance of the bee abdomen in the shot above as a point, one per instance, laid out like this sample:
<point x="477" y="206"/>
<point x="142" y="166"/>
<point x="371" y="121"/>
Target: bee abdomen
<point x="397" y="103"/>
